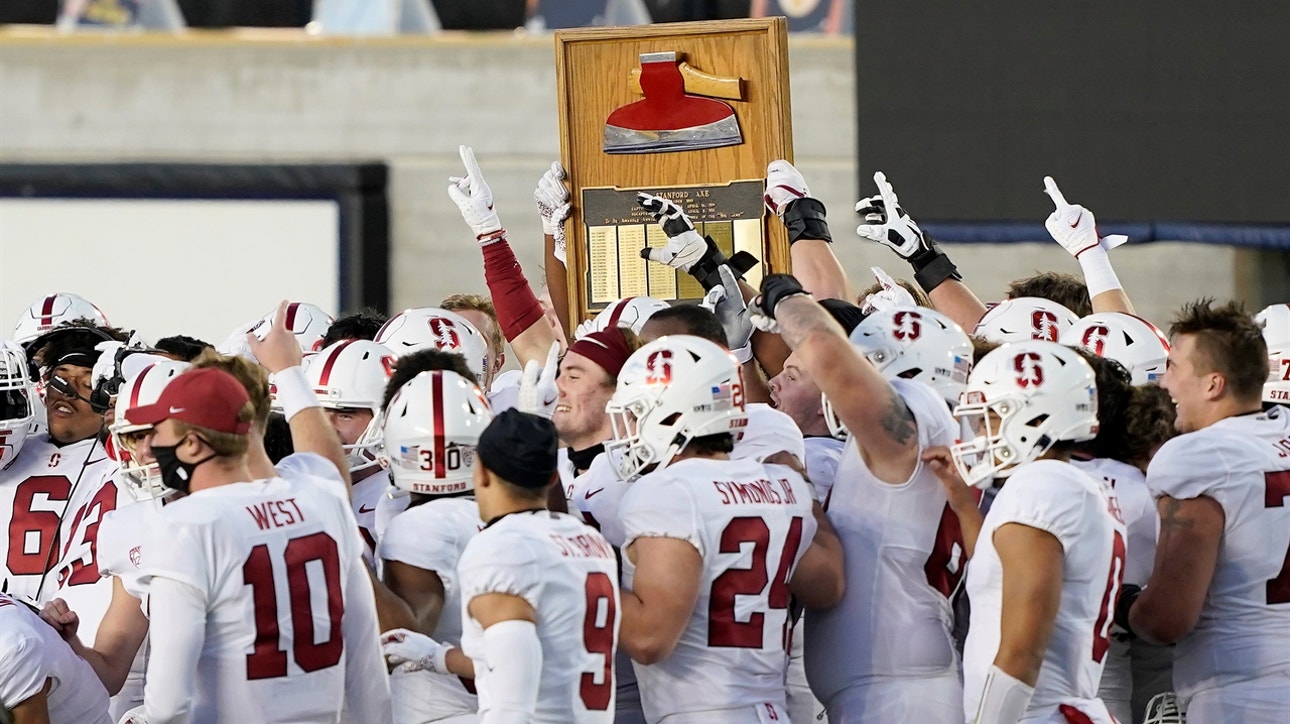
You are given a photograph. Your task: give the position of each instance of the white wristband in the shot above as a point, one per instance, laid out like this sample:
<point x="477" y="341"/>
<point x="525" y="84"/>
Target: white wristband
<point x="1003" y="699"/>
<point x="292" y="391"/>
<point x="1099" y="277"/>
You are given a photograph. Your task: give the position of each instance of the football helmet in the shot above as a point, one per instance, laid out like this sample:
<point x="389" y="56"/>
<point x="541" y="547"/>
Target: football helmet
<point x="431" y="429"/>
<point x="307" y="321"/>
<point x="1275" y="321"/>
<point x="52" y="310"/>
<point x="1132" y="341"/>
<point x="352" y="373"/>
<point x="912" y="343"/>
<point x="142" y="479"/>
<point x="434" y="328"/>
<point x="629" y="312"/>
<point x="671" y="391"/>
<point x="1020" y="399"/>
<point x="1023" y="318"/>
<point x="17" y="402"/>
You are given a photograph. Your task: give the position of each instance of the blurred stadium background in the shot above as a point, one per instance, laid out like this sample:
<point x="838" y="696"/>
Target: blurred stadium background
<point x="187" y="163"/>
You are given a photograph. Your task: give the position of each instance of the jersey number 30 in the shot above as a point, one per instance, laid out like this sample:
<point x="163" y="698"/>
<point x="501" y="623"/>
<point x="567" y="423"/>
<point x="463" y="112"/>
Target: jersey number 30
<point x="268" y="660"/>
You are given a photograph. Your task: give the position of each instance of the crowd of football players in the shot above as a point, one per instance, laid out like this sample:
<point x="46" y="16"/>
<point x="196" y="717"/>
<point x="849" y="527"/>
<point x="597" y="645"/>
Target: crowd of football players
<point x="787" y="502"/>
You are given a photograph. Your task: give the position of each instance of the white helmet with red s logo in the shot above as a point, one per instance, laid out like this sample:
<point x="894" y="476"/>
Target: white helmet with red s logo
<point x="912" y="343"/>
<point x="671" y="391"/>
<point x="1021" y="399"/>
<point x="432" y="328"/>
<point x="352" y="374"/>
<point x="1132" y="341"/>
<point x="1023" y="318"/>
<point x="431" y="429"/>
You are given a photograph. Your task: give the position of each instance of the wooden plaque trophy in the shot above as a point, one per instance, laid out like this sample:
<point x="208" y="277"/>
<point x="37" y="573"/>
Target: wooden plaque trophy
<point x="691" y="112"/>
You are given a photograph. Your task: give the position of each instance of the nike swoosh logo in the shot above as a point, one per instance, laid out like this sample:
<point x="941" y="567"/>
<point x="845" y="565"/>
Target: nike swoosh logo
<point x="590" y="493"/>
<point x="365" y="509"/>
<point x="1076" y="224"/>
<point x="175" y="410"/>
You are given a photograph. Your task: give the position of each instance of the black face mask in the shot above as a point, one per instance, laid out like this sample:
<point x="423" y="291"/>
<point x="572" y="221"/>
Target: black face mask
<point x="175" y="473"/>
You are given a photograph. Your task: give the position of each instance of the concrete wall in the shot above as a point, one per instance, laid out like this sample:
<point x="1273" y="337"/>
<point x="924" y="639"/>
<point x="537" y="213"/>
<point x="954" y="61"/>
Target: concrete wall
<point x="411" y="101"/>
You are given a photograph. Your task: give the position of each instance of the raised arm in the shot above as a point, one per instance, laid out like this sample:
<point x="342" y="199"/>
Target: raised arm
<point x="280" y="354"/>
<point x="881" y="424"/>
<point x="1074" y="227"/>
<point x="888" y="224"/>
<point x="552" y="198"/>
<point x="810" y="243"/>
<point x="518" y="310"/>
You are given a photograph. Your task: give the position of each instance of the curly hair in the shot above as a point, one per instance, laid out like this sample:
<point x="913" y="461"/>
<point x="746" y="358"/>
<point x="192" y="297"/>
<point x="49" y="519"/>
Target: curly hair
<point x="77" y="335"/>
<point x="363" y="324"/>
<point x="1228" y="341"/>
<point x="1114" y="393"/>
<point x="1149" y="423"/>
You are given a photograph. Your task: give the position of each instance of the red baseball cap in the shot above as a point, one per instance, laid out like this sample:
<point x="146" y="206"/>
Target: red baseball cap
<point x="207" y="397"/>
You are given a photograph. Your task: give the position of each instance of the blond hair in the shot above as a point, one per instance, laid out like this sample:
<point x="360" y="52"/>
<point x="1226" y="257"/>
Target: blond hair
<point x="250" y="375"/>
<point x="225" y="444"/>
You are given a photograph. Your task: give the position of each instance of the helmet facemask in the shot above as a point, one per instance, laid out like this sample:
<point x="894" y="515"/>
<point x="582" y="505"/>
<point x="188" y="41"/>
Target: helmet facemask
<point x="16" y="402"/>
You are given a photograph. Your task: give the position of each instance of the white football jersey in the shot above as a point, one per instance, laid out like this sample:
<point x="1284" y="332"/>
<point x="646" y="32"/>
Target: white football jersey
<point x="566" y="572"/>
<point x="903" y="556"/>
<point x="768" y="431"/>
<point x="51" y="501"/>
<point x="1128" y="485"/>
<point x="31" y="653"/>
<point x="391" y="502"/>
<point x="1060" y="499"/>
<point x="1243" y="463"/>
<point x="598" y="492"/>
<point x="290" y="628"/>
<point x="751" y="523"/>
<point x="365" y="496"/>
<point x="432" y="536"/>
<point x="120" y="554"/>
<point x="822" y="457"/>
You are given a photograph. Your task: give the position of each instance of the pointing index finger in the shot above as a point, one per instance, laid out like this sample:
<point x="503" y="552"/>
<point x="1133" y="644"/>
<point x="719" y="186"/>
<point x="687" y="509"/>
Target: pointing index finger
<point x="468" y="159"/>
<point x="1054" y="193"/>
<point x="887" y="193"/>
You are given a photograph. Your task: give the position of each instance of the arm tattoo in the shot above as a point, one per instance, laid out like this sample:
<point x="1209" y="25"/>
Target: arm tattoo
<point x="898" y="420"/>
<point x="799" y="319"/>
<point x="1171" y="516"/>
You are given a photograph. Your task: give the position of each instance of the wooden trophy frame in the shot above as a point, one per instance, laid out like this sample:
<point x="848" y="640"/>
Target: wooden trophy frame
<point x="717" y="175"/>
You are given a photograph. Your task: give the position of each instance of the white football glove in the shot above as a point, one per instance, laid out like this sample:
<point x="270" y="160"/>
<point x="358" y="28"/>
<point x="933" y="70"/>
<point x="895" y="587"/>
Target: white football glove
<point x="474" y="198"/>
<point x="892" y="295"/>
<point x="727" y="303"/>
<point x="888" y="224"/>
<point x="553" y="204"/>
<point x="784" y="185"/>
<point x="684" y="245"/>
<point x="1073" y="226"/>
<point x="762" y="321"/>
<point x="137" y="715"/>
<point x="409" y="651"/>
<point x="538" y="391"/>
